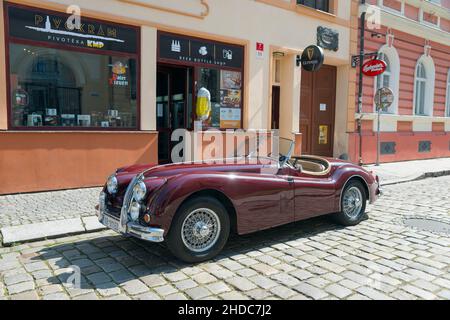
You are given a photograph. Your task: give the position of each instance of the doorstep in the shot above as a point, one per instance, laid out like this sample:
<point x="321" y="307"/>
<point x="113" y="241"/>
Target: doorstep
<point x="48" y="230"/>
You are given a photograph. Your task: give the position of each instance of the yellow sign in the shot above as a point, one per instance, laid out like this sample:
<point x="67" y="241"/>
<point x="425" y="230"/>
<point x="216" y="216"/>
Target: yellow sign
<point x="323" y="135"/>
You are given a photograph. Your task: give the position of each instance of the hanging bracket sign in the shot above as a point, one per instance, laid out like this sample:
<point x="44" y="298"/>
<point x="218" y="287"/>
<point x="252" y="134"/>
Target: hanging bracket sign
<point x="373" y="68"/>
<point x="313" y="58"/>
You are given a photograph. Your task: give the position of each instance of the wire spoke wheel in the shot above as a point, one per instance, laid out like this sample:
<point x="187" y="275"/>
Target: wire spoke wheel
<point x="201" y="230"/>
<point x="353" y="202"/>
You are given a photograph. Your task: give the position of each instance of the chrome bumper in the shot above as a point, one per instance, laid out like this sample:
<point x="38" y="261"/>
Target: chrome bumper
<point x="129" y="228"/>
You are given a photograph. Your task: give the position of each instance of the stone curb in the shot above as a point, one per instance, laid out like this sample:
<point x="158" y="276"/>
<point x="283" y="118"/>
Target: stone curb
<point x="423" y="176"/>
<point x="49" y="230"/>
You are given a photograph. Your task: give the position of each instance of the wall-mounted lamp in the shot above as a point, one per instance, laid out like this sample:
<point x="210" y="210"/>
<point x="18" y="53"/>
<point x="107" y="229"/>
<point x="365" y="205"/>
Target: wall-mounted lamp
<point x="278" y="54"/>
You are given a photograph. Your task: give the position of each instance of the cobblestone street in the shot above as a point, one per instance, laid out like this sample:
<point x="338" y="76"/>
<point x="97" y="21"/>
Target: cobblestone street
<point x="316" y="259"/>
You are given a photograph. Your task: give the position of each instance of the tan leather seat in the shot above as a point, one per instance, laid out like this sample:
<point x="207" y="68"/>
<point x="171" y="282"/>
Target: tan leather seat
<point x="312" y="166"/>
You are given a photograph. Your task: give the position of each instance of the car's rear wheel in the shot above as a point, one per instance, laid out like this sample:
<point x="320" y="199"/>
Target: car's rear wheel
<point x="353" y="204"/>
<point x="199" y="230"/>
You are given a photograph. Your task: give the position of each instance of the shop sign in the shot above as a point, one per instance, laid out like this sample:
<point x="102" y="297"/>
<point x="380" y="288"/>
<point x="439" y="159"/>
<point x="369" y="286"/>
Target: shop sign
<point x="328" y="38"/>
<point x="260" y="50"/>
<point x="313" y="58"/>
<point x="192" y="50"/>
<point x="53" y="27"/>
<point x="119" y="75"/>
<point x="373" y="68"/>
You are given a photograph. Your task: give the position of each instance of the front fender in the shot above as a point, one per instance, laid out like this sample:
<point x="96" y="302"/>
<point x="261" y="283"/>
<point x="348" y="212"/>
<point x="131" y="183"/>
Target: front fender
<point x="177" y="189"/>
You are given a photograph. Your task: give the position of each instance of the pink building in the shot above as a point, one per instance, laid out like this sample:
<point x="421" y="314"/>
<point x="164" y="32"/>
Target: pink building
<point x="414" y="40"/>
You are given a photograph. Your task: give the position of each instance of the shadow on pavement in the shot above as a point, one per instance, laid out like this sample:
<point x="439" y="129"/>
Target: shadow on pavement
<point x="107" y="262"/>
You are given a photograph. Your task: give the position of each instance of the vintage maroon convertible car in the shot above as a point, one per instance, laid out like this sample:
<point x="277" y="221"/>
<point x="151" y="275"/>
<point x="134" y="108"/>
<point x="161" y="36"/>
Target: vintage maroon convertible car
<point x="195" y="206"/>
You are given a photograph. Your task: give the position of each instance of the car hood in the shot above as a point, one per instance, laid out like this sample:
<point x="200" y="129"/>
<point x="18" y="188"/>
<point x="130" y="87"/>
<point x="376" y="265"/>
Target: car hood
<point x="235" y="165"/>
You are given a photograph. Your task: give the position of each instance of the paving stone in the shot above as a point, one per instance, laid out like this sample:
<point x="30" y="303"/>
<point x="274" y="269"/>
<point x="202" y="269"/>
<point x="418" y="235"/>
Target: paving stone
<point x="185" y="284"/>
<point x="20" y="287"/>
<point x="108" y="289"/>
<point x="56" y="296"/>
<point x="30" y="295"/>
<point x="338" y="291"/>
<point x="283" y="292"/>
<point x="154" y="280"/>
<point x="218" y="287"/>
<point x="134" y="287"/>
<point x="311" y="291"/>
<point x="204" y="278"/>
<point x="99" y="278"/>
<point x="147" y="296"/>
<point x="236" y="296"/>
<point x="264" y="269"/>
<point x="165" y="290"/>
<point x="419" y="292"/>
<point x="17" y="278"/>
<point x="263" y="282"/>
<point x="373" y="294"/>
<point x="241" y="284"/>
<point x="175" y="276"/>
<point x="198" y="293"/>
<point x="176" y="297"/>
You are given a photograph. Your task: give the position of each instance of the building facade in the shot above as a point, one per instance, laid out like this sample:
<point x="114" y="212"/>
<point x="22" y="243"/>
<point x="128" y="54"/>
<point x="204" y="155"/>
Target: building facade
<point x="413" y="37"/>
<point x="80" y="98"/>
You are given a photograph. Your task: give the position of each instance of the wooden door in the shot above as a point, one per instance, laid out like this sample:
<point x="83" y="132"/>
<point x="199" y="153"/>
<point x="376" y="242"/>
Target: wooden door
<point x="317" y="111"/>
<point x="276" y="107"/>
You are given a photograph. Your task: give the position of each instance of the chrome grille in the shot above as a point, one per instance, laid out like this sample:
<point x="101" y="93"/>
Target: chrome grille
<point x="127" y="202"/>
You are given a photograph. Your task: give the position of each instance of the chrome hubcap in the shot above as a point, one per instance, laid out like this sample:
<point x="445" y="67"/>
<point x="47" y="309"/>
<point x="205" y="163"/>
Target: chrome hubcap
<point x="353" y="202"/>
<point x="201" y="230"/>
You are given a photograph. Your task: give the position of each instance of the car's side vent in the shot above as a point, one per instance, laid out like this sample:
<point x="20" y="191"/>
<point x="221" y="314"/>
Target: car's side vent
<point x="424" y="146"/>
<point x="388" y="148"/>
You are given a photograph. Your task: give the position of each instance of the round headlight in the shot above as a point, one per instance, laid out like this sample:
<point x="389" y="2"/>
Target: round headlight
<point x="140" y="191"/>
<point x="135" y="211"/>
<point x="112" y="185"/>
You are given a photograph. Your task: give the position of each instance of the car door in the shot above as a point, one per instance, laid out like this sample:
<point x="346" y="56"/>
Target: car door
<point x="314" y="196"/>
<point x="263" y="201"/>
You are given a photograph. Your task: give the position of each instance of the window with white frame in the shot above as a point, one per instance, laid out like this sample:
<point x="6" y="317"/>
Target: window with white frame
<point x="391" y="77"/>
<point x="424" y="86"/>
<point x="447" y="104"/>
<point x="421" y="82"/>
<point x="384" y="80"/>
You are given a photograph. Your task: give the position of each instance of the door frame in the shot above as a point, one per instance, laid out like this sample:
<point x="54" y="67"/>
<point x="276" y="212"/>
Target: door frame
<point x="188" y="123"/>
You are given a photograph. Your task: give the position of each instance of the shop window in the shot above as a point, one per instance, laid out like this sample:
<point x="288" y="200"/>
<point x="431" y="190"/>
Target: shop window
<point x="226" y="97"/>
<point x="322" y="5"/>
<point x="60" y="78"/>
<point x="60" y="88"/>
<point x="424" y="87"/>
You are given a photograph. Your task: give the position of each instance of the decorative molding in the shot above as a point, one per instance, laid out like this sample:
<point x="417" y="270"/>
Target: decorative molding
<point x="200" y="15"/>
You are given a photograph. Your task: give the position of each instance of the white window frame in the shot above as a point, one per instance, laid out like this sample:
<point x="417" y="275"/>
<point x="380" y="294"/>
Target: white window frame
<point x="430" y="72"/>
<point x="394" y="79"/>
<point x="447" y="100"/>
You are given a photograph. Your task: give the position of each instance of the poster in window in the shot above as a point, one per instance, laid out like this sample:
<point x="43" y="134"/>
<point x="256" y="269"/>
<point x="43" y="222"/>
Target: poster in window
<point x="230" y="98"/>
<point x="230" y="118"/>
<point x="323" y="135"/>
<point x="215" y="116"/>
<point x="230" y="80"/>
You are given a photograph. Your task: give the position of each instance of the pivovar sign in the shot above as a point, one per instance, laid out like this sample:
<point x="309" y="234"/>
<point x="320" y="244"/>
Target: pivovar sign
<point x="374" y="68"/>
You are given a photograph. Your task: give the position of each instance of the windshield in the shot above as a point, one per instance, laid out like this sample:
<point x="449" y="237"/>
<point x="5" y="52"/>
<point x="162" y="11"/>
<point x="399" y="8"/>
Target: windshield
<point x="281" y="150"/>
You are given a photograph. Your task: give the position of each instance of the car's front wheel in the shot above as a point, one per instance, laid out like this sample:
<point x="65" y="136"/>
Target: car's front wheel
<point x="199" y="230"/>
<point x="353" y="204"/>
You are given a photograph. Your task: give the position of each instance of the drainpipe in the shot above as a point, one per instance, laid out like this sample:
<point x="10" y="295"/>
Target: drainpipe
<point x="360" y="89"/>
